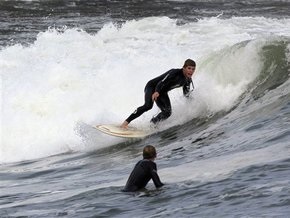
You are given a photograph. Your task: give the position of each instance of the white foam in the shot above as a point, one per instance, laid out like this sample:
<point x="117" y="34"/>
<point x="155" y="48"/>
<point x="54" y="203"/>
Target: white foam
<point x="70" y="77"/>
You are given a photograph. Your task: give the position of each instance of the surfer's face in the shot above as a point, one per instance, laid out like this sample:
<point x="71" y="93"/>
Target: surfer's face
<point x="188" y="71"/>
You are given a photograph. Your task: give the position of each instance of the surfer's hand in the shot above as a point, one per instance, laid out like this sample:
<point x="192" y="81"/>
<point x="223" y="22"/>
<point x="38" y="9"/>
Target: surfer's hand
<point x="155" y="96"/>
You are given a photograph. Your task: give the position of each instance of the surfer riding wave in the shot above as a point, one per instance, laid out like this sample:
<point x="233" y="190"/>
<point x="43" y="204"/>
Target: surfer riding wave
<point x="157" y="90"/>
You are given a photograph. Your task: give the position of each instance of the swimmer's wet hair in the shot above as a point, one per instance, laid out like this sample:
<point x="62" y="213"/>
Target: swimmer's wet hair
<point x="149" y="152"/>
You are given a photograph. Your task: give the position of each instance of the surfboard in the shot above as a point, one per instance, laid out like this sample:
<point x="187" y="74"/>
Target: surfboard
<point x="115" y="130"/>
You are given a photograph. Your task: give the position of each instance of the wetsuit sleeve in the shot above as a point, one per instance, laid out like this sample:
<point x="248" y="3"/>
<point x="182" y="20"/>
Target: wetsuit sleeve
<point x="155" y="177"/>
<point x="165" y="81"/>
<point x="186" y="88"/>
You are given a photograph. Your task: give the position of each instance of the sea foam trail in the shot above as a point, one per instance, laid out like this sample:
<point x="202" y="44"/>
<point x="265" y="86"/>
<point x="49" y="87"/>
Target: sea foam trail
<point x="69" y="77"/>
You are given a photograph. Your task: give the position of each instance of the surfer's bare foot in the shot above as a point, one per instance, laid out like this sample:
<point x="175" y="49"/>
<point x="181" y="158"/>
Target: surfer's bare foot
<point x="124" y="125"/>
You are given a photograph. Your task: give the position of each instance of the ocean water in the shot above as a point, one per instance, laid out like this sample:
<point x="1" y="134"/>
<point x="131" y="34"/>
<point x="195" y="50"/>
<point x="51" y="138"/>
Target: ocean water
<point x="69" y="65"/>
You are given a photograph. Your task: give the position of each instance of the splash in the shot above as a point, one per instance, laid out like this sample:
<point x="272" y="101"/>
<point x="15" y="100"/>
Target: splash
<point x="66" y="81"/>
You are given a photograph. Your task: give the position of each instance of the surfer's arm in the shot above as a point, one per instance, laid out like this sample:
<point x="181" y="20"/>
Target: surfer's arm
<point x="186" y="88"/>
<point x="162" y="84"/>
<point x="156" y="180"/>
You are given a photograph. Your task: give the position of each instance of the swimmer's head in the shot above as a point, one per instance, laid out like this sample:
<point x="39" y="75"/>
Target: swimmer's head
<point x="149" y="152"/>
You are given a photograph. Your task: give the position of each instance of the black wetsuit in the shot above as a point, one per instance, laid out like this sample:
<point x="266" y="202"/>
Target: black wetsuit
<point x="143" y="171"/>
<point x="173" y="78"/>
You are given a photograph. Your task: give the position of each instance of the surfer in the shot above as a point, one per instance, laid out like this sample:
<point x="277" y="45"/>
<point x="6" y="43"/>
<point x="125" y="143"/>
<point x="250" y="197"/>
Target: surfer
<point x="157" y="90"/>
<point x="143" y="171"/>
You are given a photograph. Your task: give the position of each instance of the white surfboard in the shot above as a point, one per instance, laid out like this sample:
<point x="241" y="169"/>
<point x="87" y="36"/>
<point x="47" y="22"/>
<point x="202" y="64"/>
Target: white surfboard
<point x="116" y="130"/>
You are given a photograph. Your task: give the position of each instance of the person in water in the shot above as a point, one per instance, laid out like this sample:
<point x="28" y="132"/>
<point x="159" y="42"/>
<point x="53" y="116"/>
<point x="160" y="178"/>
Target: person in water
<point x="157" y="90"/>
<point x="144" y="171"/>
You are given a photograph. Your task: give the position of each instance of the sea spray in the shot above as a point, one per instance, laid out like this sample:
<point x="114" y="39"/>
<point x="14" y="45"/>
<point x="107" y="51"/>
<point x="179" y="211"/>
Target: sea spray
<point x="70" y="77"/>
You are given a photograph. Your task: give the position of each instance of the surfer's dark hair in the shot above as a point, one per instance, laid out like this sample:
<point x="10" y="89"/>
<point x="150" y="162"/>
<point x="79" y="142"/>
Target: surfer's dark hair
<point x="149" y="152"/>
<point x="189" y="62"/>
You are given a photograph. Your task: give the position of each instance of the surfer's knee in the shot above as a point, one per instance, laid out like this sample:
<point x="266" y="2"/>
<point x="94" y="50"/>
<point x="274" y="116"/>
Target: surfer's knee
<point x="167" y="113"/>
<point x="148" y="106"/>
